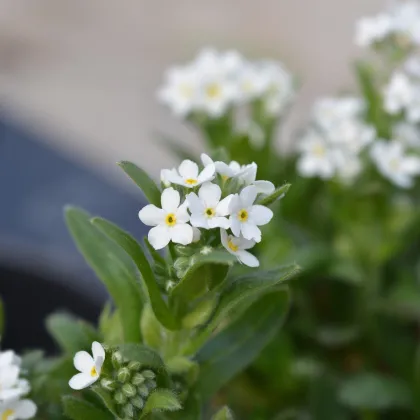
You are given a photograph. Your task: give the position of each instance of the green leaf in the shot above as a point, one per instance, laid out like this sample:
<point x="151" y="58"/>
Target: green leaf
<point x="374" y="391"/>
<point x="113" y="267"/>
<point x="151" y="330"/>
<point x="232" y="350"/>
<point x="110" y="325"/>
<point x="276" y="195"/>
<point x="72" y="335"/>
<point x="223" y="414"/>
<point x="161" y="400"/>
<point x="157" y="258"/>
<point x="107" y="399"/>
<point x="78" y="409"/>
<point x="179" y="364"/>
<point x="142" y="180"/>
<point x="134" y="250"/>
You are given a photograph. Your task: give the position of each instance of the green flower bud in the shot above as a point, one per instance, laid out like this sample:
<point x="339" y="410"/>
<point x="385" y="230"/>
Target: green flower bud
<point x="181" y="265"/>
<point x="151" y="384"/>
<point x="116" y="359"/>
<point x="143" y="390"/>
<point x="161" y="270"/>
<point x="134" y="366"/>
<point x="169" y="285"/>
<point x="123" y="374"/>
<point x="120" y="398"/>
<point x="129" y="390"/>
<point x="137" y="402"/>
<point x="137" y="379"/>
<point x="148" y="374"/>
<point x="108" y="384"/>
<point x="183" y="251"/>
<point x="129" y="410"/>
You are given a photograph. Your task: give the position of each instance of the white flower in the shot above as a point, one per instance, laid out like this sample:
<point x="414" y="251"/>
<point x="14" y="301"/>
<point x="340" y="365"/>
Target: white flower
<point x="370" y="30"/>
<point x="350" y="168"/>
<point x="188" y="174"/>
<point x="166" y="174"/>
<point x="17" y="409"/>
<point x="251" y="83"/>
<point x="226" y="63"/>
<point x="406" y="21"/>
<point x="90" y="367"/>
<point x="11" y="386"/>
<point x="407" y="134"/>
<point x="245" y="217"/>
<point x="398" y="93"/>
<point x="394" y="164"/>
<point x="170" y="221"/>
<point x="180" y="90"/>
<point x="412" y="66"/>
<point x="238" y="246"/>
<point x="9" y="357"/>
<point x="207" y="210"/>
<point x="413" y="109"/>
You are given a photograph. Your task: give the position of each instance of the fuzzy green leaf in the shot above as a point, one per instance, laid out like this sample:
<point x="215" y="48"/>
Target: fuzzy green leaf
<point x="135" y="251"/>
<point x="151" y="330"/>
<point x="142" y="180"/>
<point x="161" y="400"/>
<point x="223" y="414"/>
<point x="78" y="409"/>
<point x="276" y="195"/>
<point x="233" y="349"/>
<point x="107" y="399"/>
<point x="112" y="266"/>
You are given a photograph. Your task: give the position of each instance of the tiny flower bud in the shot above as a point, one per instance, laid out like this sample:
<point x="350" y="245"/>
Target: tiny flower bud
<point x="137" y="402"/>
<point x="181" y="265"/>
<point x="151" y="384"/>
<point x="129" y="390"/>
<point x="148" y="374"/>
<point x="137" y="379"/>
<point x="116" y="359"/>
<point x="129" y="410"/>
<point x="123" y="374"/>
<point x="143" y="390"/>
<point x="169" y="285"/>
<point x="134" y="365"/>
<point x="120" y="398"/>
<point x="183" y="251"/>
<point x="108" y="384"/>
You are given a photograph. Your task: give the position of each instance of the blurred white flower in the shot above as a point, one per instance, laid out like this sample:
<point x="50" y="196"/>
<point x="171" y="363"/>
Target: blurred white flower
<point x="251" y="83"/>
<point x="227" y="63"/>
<point x="88" y="366"/>
<point x="370" y="30"/>
<point x="398" y="94"/>
<point x="412" y="66"/>
<point x="237" y="246"/>
<point x="170" y="222"/>
<point x="11" y="386"/>
<point x="245" y="216"/>
<point x="166" y="174"/>
<point x="17" y="409"/>
<point x="393" y="163"/>
<point x="188" y="174"/>
<point x="408" y="134"/>
<point x="406" y="21"/>
<point x="207" y="210"/>
<point x="413" y="109"/>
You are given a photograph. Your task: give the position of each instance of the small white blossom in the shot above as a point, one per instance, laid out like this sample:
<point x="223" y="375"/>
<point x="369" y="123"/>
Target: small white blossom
<point x="188" y="174"/>
<point x="237" y="246"/>
<point x="207" y="210"/>
<point x="251" y="83"/>
<point x="170" y="222"/>
<point x="412" y="66"/>
<point x="17" y="409"/>
<point x="406" y="22"/>
<point x="246" y="216"/>
<point x="11" y="386"/>
<point x="398" y="93"/>
<point x="226" y="63"/>
<point x="88" y="366"/>
<point x="407" y="134"/>
<point x="393" y="163"/>
<point x="370" y="30"/>
<point x="166" y="174"/>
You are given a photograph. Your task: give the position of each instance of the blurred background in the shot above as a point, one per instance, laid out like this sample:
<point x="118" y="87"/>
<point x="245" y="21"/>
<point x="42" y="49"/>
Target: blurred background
<point x="78" y="85"/>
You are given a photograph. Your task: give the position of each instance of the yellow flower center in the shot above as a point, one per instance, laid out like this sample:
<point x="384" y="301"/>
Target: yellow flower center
<point x="243" y="215"/>
<point x="7" y="414"/>
<point x="232" y="246"/>
<point x="213" y="90"/>
<point x="93" y="372"/>
<point x="225" y="178"/>
<point x="170" y="219"/>
<point x="191" y="181"/>
<point x="210" y="212"/>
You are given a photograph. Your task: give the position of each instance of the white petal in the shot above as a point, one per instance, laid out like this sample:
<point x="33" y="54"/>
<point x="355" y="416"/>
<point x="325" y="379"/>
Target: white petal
<point x="224" y="237"/>
<point x="206" y="159"/>
<point x="221" y="222"/>
<point x="188" y="169"/>
<point x="182" y="234"/>
<point x="159" y="236"/>
<point x="210" y="194"/>
<point x="174" y="178"/>
<point x="181" y="214"/>
<point x="260" y="215"/>
<point x="83" y="362"/>
<point x="248" y="173"/>
<point x="25" y="409"/>
<point x="248" y="195"/>
<point x="9" y="376"/>
<point x="223" y="169"/>
<point x="207" y="174"/>
<point x="98" y="355"/>
<point x="235" y="226"/>
<point x="235" y="204"/>
<point x="170" y="200"/>
<point x="248" y="259"/>
<point x="198" y="220"/>
<point x="222" y="209"/>
<point x="196" y="234"/>
<point x="264" y="187"/>
<point x="250" y="231"/>
<point x="11" y="394"/>
<point x="194" y="203"/>
<point x="151" y="215"/>
<point x="81" y="381"/>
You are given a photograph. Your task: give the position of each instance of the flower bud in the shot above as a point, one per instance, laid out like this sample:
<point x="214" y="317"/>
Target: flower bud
<point x="137" y="379"/>
<point x="129" y="390"/>
<point x="181" y="265"/>
<point x="183" y="251"/>
<point x="108" y="384"/>
<point x="148" y="374"/>
<point x="169" y="285"/>
<point x="123" y="374"/>
<point x="137" y="402"/>
<point x="129" y="410"/>
<point x="134" y="365"/>
<point x="120" y="398"/>
<point x="116" y="359"/>
<point x="143" y="390"/>
<point x="151" y="384"/>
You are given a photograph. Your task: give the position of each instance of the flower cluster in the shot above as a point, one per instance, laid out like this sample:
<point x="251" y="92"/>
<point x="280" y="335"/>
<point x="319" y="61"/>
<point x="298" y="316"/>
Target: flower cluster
<point x="216" y="81"/>
<point x="13" y="388"/>
<point x="336" y="138"/>
<point x="221" y="196"/>
<point x="401" y="24"/>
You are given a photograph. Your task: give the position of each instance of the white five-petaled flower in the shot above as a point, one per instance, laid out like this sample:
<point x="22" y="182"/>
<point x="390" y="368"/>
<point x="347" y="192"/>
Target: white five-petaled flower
<point x="393" y="163"/>
<point x="237" y="246"/>
<point x="245" y="216"/>
<point x="398" y="94"/>
<point x="370" y="30"/>
<point x="11" y="386"/>
<point x="170" y="222"/>
<point x="17" y="409"/>
<point x="88" y="366"/>
<point x="188" y="174"/>
<point x="207" y="210"/>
